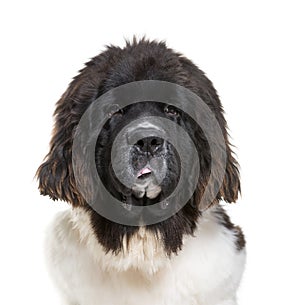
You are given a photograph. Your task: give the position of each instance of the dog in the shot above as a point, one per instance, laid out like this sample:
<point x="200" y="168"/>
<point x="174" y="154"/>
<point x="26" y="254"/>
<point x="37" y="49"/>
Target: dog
<point x="196" y="256"/>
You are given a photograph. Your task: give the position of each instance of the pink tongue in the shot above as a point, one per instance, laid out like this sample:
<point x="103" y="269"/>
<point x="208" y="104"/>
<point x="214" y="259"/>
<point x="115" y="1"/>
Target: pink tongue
<point x="145" y="170"/>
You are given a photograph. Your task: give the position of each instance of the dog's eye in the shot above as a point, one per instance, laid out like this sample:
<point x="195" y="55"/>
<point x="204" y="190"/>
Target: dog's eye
<point x="118" y="113"/>
<point x="171" y="111"/>
<point x="115" y="110"/>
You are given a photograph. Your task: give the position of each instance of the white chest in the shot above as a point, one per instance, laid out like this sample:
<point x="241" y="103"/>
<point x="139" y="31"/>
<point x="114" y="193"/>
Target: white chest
<point x="207" y="270"/>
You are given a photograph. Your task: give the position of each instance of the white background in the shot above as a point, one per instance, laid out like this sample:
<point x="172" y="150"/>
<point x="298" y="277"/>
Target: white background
<point x="249" y="49"/>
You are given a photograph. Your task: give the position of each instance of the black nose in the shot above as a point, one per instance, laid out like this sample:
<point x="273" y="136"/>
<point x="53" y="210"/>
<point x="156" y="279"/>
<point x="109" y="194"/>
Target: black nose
<point x="151" y="145"/>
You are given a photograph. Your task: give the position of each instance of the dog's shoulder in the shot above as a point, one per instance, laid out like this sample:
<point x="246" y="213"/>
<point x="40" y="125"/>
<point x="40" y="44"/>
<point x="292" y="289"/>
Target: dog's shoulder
<point x="214" y="258"/>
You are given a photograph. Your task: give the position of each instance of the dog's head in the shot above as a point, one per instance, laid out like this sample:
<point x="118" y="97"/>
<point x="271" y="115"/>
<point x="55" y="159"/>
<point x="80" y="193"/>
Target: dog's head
<point x="152" y="166"/>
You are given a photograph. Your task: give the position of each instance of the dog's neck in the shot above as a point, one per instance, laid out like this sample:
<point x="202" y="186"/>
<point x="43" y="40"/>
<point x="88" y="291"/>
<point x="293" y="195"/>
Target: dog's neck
<point x="143" y="251"/>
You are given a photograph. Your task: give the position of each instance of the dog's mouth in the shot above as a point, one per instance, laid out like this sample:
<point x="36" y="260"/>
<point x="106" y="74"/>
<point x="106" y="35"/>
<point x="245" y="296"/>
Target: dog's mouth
<point x="146" y="184"/>
<point x="152" y="181"/>
<point x="144" y="173"/>
<point x="145" y="180"/>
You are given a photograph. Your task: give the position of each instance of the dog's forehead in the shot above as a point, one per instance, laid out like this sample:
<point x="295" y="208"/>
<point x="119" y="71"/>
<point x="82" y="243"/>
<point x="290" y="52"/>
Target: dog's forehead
<point x="145" y="124"/>
<point x="145" y="108"/>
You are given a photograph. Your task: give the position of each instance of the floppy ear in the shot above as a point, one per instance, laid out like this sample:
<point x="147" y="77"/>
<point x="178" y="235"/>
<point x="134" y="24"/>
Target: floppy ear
<point x="55" y="175"/>
<point x="203" y="87"/>
<point x="231" y="187"/>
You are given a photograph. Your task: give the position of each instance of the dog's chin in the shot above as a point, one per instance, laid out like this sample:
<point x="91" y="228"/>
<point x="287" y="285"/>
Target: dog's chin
<point x="146" y="185"/>
<point x="144" y="191"/>
<point x="142" y="184"/>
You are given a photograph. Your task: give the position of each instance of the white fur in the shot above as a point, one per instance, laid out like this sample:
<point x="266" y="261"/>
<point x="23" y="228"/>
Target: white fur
<point x="207" y="271"/>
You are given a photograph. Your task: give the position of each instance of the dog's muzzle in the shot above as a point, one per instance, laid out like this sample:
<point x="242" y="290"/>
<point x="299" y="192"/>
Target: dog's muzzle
<point x="147" y="160"/>
<point x="140" y="160"/>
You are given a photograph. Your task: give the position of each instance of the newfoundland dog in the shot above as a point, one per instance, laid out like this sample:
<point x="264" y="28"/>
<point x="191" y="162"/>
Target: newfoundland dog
<point x="139" y="230"/>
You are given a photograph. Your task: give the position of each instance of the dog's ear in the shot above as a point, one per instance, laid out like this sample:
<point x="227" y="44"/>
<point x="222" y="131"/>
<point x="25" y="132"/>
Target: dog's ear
<point x="231" y="186"/>
<point x="55" y="175"/>
<point x="204" y="88"/>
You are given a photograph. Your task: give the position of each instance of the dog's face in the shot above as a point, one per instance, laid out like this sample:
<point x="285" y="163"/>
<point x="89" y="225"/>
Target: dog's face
<point x="152" y="167"/>
<point x="153" y="164"/>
